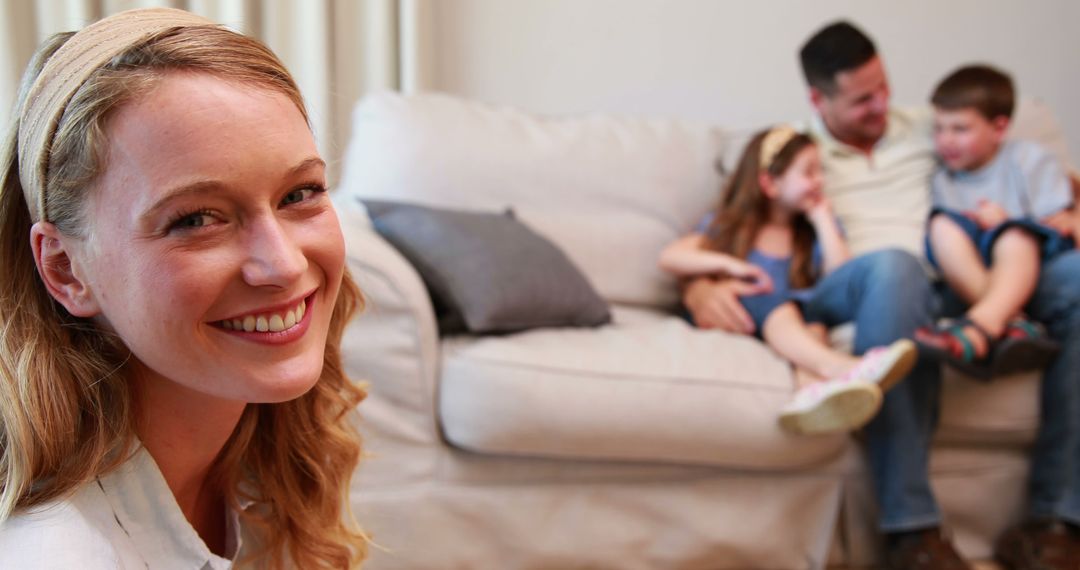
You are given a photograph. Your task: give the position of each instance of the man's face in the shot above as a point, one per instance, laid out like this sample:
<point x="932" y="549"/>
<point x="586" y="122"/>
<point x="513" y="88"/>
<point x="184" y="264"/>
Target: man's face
<point x="856" y="111"/>
<point x="965" y="139"/>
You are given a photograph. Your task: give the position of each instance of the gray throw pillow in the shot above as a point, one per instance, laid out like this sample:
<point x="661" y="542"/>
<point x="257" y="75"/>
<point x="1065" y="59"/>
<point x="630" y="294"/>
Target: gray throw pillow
<point x="488" y="272"/>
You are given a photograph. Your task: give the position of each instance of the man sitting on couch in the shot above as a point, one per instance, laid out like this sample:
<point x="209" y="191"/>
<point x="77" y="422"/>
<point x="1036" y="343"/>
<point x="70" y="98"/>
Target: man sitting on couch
<point x="878" y="161"/>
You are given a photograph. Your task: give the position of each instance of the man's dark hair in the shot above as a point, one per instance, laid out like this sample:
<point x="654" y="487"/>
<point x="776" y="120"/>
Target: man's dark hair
<point x="836" y="48"/>
<point x="987" y="90"/>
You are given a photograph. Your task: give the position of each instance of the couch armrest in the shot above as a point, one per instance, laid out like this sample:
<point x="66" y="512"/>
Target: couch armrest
<point x="393" y="344"/>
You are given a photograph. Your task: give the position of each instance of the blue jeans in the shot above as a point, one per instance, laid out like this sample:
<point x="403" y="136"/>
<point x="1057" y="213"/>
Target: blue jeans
<point x="887" y="296"/>
<point x="1054" y="485"/>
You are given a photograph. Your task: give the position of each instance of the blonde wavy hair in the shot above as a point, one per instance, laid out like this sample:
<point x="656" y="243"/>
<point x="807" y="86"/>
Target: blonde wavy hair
<point x="66" y="410"/>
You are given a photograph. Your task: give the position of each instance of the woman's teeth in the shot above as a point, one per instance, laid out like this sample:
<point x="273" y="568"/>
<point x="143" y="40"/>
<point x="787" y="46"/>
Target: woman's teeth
<point x="272" y="322"/>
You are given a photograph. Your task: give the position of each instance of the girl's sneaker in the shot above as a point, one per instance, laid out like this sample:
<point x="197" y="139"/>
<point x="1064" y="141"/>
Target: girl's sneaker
<point x="831" y="406"/>
<point x="885" y="365"/>
<point x="848" y="402"/>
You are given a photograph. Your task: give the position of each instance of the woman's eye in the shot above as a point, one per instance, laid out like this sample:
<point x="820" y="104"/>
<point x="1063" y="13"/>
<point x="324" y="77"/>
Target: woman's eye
<point x="192" y="221"/>
<point x="298" y="195"/>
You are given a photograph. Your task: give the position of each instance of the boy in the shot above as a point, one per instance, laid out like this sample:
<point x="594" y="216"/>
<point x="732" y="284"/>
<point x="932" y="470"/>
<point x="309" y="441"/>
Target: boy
<point x="984" y="233"/>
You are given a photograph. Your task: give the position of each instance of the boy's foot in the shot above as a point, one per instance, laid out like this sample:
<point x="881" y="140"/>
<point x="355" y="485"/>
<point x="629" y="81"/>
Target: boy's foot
<point x="962" y="344"/>
<point x="885" y="365"/>
<point x="1025" y="345"/>
<point x="831" y="406"/>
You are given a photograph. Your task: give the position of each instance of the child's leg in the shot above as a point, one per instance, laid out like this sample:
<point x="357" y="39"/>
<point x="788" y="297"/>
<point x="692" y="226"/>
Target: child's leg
<point x="835" y="391"/>
<point x="804" y="377"/>
<point x="806" y="345"/>
<point x="959" y="259"/>
<point x="788" y="334"/>
<point x="819" y="331"/>
<point x="997" y="294"/>
<point x="1012" y="279"/>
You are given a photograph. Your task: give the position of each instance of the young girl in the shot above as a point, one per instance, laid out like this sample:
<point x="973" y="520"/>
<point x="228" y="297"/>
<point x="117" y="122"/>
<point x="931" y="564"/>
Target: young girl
<point x="775" y="229"/>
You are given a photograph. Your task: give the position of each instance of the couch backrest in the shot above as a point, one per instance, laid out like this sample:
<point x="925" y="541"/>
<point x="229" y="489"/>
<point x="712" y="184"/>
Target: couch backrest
<point x="611" y="192"/>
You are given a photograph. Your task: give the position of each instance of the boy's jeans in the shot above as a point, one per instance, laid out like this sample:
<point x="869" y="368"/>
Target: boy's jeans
<point x="887" y="295"/>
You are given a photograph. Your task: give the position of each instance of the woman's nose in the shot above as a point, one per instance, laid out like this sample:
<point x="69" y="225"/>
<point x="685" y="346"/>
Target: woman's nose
<point x="274" y="258"/>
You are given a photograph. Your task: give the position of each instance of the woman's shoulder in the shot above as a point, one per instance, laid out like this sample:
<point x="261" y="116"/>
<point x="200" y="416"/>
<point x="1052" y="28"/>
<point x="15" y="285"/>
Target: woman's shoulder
<point x="73" y="532"/>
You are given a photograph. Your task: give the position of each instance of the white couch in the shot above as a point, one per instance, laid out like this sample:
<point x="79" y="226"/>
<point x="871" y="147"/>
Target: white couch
<point x="644" y="444"/>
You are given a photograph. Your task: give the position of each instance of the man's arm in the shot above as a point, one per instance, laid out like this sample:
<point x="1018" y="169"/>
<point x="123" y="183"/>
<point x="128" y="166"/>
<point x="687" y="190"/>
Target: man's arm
<point x="1067" y="222"/>
<point x="714" y="304"/>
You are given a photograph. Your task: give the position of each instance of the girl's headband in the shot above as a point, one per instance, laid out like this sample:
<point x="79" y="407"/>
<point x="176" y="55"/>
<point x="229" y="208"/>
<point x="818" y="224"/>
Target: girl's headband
<point x="63" y="75"/>
<point x="773" y="143"/>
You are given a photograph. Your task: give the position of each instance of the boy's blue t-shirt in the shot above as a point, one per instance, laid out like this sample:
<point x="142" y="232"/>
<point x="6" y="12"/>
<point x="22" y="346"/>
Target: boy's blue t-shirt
<point x="1024" y="178"/>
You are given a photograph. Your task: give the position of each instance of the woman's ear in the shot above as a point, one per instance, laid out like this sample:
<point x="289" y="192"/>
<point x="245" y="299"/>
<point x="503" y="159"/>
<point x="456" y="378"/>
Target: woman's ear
<point x="767" y="184"/>
<point x="60" y="271"/>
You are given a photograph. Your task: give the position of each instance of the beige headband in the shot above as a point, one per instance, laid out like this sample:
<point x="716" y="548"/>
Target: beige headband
<point x="66" y="71"/>
<point x="773" y="143"/>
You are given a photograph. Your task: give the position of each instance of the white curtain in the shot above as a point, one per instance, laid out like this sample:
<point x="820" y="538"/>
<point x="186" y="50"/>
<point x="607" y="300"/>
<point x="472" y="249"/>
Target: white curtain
<point x="337" y="50"/>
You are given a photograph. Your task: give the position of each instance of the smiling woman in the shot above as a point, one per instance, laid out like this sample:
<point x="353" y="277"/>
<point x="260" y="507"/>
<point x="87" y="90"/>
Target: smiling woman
<point x="171" y="390"/>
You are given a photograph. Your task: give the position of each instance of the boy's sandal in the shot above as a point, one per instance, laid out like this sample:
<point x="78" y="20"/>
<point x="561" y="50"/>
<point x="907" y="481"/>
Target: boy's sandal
<point x="1025" y="345"/>
<point x="950" y="344"/>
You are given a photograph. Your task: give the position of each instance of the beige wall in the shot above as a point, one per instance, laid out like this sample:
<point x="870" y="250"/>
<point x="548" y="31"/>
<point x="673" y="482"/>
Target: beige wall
<point x="733" y="62"/>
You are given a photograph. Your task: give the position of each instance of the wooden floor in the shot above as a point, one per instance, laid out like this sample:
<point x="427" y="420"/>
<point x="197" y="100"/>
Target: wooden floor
<point x="977" y="565"/>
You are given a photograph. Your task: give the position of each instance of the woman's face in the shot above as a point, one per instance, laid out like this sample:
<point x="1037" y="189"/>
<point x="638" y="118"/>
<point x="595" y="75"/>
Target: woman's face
<point x="213" y="249"/>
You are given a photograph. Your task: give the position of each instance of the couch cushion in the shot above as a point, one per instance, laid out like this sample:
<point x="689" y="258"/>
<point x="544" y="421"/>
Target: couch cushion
<point x="1005" y="411"/>
<point x="650" y="388"/>
<point x="610" y="192"/>
<point x="486" y="271"/>
<point x="646" y="388"/>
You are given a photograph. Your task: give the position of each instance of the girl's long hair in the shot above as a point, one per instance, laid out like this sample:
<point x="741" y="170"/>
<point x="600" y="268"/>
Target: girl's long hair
<point x="66" y="408"/>
<point x="744" y="209"/>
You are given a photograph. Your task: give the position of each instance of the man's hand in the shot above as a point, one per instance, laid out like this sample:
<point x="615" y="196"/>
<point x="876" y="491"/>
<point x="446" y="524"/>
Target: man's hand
<point x="1063" y="222"/>
<point x="988" y="214"/>
<point x="715" y="304"/>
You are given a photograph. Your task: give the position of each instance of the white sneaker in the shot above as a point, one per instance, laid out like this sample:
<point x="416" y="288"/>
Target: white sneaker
<point x="831" y="406"/>
<point x="885" y="365"/>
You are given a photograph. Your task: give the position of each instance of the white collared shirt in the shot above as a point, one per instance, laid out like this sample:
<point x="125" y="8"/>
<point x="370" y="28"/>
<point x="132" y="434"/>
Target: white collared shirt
<point x="882" y="199"/>
<point x="127" y="519"/>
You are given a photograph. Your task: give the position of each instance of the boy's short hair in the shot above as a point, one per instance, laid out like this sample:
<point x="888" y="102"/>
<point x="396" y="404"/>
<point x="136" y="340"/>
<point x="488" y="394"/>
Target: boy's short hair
<point x="836" y="48"/>
<point x="987" y="90"/>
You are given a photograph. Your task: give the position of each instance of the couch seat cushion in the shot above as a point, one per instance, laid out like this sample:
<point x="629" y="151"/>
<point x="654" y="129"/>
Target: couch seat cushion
<point x="1002" y="412"/>
<point x="648" y="387"/>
